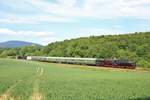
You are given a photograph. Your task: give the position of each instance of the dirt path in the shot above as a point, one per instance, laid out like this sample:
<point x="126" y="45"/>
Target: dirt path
<point x="36" y="95"/>
<point x="6" y="95"/>
<point x="38" y="69"/>
<point x="41" y="72"/>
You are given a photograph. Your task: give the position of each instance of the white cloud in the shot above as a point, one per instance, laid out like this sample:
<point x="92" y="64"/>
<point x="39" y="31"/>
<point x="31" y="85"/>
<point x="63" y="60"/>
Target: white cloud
<point x="34" y="19"/>
<point x="61" y="8"/>
<point x="85" y="32"/>
<point x="7" y="31"/>
<point x="98" y="31"/>
<point x="38" y="11"/>
<point x="43" y="37"/>
<point x="39" y="34"/>
<point x="66" y="11"/>
<point x="17" y="20"/>
<point x="96" y="8"/>
<point x="48" y="40"/>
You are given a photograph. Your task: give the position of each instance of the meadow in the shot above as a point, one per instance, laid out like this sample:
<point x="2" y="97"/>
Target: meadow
<point x="29" y="80"/>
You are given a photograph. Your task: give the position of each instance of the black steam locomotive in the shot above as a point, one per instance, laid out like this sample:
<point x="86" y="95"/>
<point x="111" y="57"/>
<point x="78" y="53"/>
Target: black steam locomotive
<point x="116" y="63"/>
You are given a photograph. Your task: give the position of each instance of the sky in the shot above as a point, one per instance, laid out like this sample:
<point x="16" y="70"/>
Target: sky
<point x="46" y="21"/>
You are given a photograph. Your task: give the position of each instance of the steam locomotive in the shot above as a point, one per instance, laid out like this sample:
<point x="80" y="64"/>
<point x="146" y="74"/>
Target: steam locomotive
<point x="115" y="63"/>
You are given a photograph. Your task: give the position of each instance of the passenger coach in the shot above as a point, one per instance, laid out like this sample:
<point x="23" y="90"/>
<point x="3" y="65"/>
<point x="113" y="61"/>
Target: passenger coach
<point x="115" y="63"/>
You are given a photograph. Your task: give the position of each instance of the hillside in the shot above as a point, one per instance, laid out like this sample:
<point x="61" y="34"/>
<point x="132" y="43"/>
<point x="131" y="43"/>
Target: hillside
<point x="14" y="44"/>
<point x="133" y="46"/>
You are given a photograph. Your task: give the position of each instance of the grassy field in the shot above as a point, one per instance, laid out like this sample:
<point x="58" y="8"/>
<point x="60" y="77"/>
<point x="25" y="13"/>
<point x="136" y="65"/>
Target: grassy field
<point x="27" y="80"/>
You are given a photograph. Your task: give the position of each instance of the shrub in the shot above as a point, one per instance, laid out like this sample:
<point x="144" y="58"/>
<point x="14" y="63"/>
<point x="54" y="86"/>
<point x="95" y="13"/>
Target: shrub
<point x="143" y="63"/>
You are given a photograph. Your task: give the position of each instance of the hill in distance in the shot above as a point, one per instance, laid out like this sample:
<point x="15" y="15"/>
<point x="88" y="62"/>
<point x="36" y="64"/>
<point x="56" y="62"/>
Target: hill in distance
<point x="16" y="44"/>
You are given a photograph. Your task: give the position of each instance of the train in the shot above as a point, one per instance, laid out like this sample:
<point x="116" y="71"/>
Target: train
<point x="114" y="63"/>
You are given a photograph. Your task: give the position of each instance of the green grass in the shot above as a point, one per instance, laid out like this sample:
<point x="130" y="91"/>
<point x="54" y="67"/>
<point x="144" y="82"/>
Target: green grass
<point x="71" y="82"/>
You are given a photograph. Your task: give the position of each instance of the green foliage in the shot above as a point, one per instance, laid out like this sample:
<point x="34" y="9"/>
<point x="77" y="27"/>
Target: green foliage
<point x="3" y="54"/>
<point x="30" y="50"/>
<point x="38" y="53"/>
<point x="144" y="51"/>
<point x="143" y="63"/>
<point x="134" y="47"/>
<point x="128" y="46"/>
<point x="124" y="54"/>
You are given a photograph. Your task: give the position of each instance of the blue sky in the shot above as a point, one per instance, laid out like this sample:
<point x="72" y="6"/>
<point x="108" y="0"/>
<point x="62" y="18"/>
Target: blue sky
<point x="45" y="21"/>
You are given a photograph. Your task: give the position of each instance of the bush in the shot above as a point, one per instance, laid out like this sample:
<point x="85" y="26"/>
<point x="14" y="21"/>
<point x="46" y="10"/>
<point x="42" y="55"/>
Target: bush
<point x="3" y="55"/>
<point x="143" y="63"/>
<point x="11" y="57"/>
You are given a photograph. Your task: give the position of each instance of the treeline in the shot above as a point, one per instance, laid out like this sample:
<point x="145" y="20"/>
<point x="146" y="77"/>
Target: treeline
<point x="23" y="52"/>
<point x="133" y="46"/>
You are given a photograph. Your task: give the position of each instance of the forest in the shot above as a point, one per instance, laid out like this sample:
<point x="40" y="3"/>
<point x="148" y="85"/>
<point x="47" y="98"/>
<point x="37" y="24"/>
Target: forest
<point x="132" y="46"/>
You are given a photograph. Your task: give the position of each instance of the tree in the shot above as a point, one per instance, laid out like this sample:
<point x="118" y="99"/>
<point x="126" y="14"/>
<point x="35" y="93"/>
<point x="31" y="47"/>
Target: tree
<point x="28" y="50"/>
<point x="3" y="54"/>
<point x="125" y="54"/>
<point x="143" y="51"/>
<point x="143" y="63"/>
